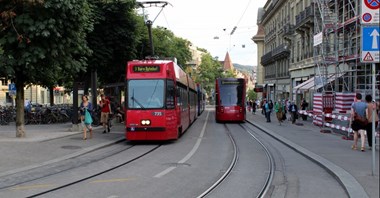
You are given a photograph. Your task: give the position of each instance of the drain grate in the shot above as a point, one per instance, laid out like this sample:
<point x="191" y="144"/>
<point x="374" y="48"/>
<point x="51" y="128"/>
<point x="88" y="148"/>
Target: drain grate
<point x="71" y="147"/>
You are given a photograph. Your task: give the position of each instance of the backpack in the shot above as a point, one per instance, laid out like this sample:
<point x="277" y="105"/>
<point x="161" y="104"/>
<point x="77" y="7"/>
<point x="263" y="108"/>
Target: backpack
<point x="270" y="105"/>
<point x="279" y="108"/>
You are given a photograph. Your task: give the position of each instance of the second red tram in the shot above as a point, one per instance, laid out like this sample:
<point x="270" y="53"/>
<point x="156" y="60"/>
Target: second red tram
<point x="230" y="100"/>
<point x="161" y="100"/>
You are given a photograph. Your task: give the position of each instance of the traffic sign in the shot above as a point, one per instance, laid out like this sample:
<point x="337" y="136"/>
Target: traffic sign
<point x="370" y="44"/>
<point x="370" y="12"/>
<point x="12" y="89"/>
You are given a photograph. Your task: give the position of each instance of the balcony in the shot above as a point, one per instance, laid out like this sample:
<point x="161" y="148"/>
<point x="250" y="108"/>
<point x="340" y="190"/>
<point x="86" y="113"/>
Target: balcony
<point x="305" y="19"/>
<point x="288" y="30"/>
<point x="282" y="51"/>
<point x="267" y="59"/>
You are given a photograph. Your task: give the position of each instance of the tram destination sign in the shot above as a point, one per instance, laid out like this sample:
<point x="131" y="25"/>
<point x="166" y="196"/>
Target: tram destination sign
<point x="143" y="69"/>
<point x="230" y="82"/>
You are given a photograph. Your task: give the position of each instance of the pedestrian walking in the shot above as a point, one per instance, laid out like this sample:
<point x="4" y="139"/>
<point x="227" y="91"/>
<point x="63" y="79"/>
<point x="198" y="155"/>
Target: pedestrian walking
<point x="105" y="105"/>
<point x="304" y="106"/>
<point x="293" y="112"/>
<point x="254" y="104"/>
<point x="85" y="112"/>
<point x="262" y="106"/>
<point x="358" y="121"/>
<point x="278" y="108"/>
<point x="268" y="110"/>
<point x="27" y="105"/>
<point x="371" y="105"/>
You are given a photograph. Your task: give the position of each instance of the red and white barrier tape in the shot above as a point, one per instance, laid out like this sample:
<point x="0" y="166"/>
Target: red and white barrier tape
<point x="327" y="115"/>
<point x="334" y="126"/>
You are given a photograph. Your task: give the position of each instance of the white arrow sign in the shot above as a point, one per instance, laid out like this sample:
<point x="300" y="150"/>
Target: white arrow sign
<point x="374" y="36"/>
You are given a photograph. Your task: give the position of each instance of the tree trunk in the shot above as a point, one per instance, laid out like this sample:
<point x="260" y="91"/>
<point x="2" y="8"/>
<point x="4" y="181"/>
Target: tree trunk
<point x="20" y="126"/>
<point x="51" y="93"/>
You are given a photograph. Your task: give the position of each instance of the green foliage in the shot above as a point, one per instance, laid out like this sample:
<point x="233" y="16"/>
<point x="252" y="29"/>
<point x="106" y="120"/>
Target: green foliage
<point x="252" y="95"/>
<point x="208" y="71"/>
<point x="43" y="40"/>
<point x="229" y="74"/>
<point x="166" y="45"/>
<point x="117" y="32"/>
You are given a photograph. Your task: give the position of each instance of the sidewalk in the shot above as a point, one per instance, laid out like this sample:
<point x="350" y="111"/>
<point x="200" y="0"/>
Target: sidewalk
<point x="47" y="144"/>
<point x="332" y="152"/>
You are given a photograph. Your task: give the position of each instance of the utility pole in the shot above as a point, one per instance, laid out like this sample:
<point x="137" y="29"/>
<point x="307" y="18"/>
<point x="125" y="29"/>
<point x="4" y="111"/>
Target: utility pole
<point x="149" y="23"/>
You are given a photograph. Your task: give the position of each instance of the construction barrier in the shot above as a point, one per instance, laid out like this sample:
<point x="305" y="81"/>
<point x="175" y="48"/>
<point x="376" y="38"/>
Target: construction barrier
<point x="327" y="124"/>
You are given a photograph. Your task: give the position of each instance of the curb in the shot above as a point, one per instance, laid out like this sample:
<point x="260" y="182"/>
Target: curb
<point x="352" y="187"/>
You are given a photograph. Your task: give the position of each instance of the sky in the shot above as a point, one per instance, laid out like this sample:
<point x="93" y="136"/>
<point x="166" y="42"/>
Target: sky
<point x="208" y="24"/>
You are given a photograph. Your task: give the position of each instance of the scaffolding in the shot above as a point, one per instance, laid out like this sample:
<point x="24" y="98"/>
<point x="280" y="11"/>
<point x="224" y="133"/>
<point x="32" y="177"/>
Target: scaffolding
<point x="337" y="56"/>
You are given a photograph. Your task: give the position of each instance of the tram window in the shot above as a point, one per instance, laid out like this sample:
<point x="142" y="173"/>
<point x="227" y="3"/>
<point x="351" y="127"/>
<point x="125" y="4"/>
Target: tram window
<point x="231" y="95"/>
<point x="145" y="94"/>
<point x="170" y="94"/>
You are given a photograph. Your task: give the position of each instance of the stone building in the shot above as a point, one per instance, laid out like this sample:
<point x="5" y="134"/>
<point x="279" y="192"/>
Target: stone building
<point x="295" y="66"/>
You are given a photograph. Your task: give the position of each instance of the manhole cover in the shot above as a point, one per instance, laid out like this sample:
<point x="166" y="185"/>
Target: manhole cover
<point x="71" y="147"/>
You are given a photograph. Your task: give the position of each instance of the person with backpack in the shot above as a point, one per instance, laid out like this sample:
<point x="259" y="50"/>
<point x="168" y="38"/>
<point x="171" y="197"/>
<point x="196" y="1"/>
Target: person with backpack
<point x="279" y="109"/>
<point x="358" y="121"/>
<point x="268" y="109"/>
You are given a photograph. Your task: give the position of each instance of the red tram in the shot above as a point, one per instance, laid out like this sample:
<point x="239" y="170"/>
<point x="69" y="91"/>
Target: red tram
<point x="230" y="99"/>
<point x="161" y="100"/>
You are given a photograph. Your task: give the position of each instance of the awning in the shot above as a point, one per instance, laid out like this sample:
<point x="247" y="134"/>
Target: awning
<point x="298" y="87"/>
<point x="310" y="83"/>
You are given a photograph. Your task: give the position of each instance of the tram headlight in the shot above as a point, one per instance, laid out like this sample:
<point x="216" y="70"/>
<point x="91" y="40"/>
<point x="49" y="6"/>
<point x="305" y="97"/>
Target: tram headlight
<point x="145" y="122"/>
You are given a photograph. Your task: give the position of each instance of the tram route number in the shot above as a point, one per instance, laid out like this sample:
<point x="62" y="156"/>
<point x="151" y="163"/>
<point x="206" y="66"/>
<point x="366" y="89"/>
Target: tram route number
<point x="157" y="113"/>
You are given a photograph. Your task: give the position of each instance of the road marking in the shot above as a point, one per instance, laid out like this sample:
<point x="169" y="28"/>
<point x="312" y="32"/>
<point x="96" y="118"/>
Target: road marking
<point x="32" y="187"/>
<point x="111" y="180"/>
<point x="190" y="154"/>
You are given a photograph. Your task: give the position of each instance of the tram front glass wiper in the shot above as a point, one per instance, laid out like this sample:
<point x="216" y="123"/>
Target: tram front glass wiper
<point x="135" y="100"/>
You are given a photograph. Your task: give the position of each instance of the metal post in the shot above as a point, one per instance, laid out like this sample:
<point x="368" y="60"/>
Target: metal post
<point x="94" y="88"/>
<point x="149" y="24"/>
<point x="373" y="119"/>
<point x="75" y="104"/>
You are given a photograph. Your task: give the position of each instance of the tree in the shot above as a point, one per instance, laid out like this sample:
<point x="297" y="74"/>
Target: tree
<point x="42" y="39"/>
<point x="208" y="71"/>
<point x="229" y="74"/>
<point x="166" y="45"/>
<point x="252" y="95"/>
<point x="117" y="32"/>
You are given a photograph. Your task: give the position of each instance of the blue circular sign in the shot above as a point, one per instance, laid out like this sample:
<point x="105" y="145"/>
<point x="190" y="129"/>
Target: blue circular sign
<point x="367" y="17"/>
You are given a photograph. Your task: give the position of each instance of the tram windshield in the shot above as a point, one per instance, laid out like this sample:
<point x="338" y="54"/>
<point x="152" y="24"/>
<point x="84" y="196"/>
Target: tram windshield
<point x="144" y="94"/>
<point x="231" y="95"/>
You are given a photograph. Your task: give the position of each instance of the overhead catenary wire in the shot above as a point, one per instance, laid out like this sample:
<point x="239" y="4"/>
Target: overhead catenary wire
<point x="241" y="17"/>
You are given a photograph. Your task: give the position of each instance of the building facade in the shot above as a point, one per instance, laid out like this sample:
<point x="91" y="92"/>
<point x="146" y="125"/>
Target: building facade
<point x="277" y="43"/>
<point x="296" y="67"/>
<point x="34" y="93"/>
<point x="259" y="40"/>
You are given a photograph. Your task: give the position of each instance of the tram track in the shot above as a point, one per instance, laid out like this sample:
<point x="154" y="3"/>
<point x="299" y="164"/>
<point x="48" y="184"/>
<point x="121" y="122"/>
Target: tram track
<point x="99" y="173"/>
<point x="348" y="183"/>
<point x="229" y="169"/>
<point x="265" y="187"/>
<point x="271" y="163"/>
